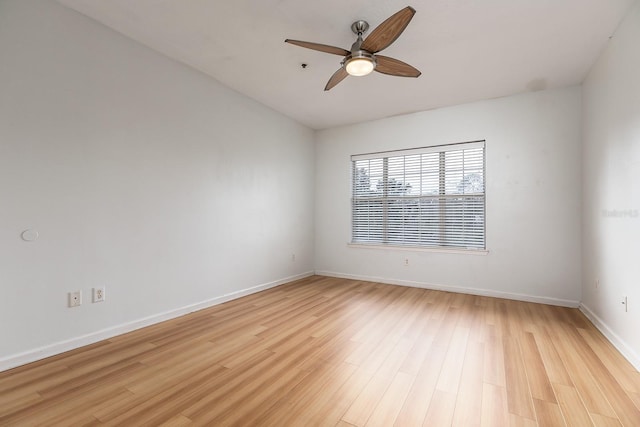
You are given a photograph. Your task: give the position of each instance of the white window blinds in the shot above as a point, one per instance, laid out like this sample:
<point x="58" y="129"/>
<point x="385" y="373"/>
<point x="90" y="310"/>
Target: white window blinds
<point x="425" y="197"/>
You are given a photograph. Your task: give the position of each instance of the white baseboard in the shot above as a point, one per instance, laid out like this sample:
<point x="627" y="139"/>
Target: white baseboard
<point x="613" y="338"/>
<point x="458" y="289"/>
<point x="29" y="356"/>
<point x="71" y="344"/>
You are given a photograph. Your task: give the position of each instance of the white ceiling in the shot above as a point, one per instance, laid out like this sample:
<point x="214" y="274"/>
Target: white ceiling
<point x="467" y="50"/>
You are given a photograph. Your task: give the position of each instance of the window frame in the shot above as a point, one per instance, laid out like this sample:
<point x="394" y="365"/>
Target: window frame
<point x="443" y="243"/>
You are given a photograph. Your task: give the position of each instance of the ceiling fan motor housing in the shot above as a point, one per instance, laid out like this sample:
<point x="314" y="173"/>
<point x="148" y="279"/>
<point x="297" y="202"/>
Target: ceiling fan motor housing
<point x="360" y="27"/>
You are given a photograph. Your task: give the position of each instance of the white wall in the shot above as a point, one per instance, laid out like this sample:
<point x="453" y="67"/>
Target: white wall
<point x="140" y="175"/>
<point x="533" y="198"/>
<point x="611" y="169"/>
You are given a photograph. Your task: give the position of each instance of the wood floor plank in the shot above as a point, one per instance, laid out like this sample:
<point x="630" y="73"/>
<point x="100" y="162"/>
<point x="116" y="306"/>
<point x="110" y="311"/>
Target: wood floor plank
<point x="518" y="421"/>
<point x="177" y="421"/>
<point x="163" y="403"/>
<point x="548" y="414"/>
<point x="539" y="383"/>
<point x="619" y="367"/>
<point x="583" y="379"/>
<point x="17" y="402"/>
<point x="495" y="408"/>
<point x="469" y="395"/>
<point x="620" y="401"/>
<point x="335" y="352"/>
<point x="636" y="398"/>
<point x="23" y="381"/>
<point x="602" y="421"/>
<point x="173" y="370"/>
<point x="227" y="381"/>
<point x="391" y="403"/>
<point x="553" y="364"/>
<point x="451" y="371"/>
<point x="266" y="396"/>
<point x="364" y="405"/>
<point x="330" y="412"/>
<point x="518" y="392"/>
<point x="417" y="403"/>
<point x="292" y="408"/>
<point x="493" y="369"/>
<point x="421" y="347"/>
<point x="441" y="409"/>
<point x="573" y="410"/>
<point x="85" y="409"/>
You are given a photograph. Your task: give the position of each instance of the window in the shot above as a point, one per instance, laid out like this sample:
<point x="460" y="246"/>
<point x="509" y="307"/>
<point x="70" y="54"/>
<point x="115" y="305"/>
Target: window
<point x="427" y="197"/>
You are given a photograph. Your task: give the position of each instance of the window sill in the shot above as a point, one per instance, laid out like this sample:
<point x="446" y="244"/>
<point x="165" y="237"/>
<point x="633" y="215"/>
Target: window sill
<point x="420" y="249"/>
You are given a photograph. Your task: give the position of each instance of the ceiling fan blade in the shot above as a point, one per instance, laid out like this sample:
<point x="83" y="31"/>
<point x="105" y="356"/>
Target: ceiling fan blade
<point x="387" y="32"/>
<point x="395" y="67"/>
<point x="321" y="47"/>
<point x="337" y="77"/>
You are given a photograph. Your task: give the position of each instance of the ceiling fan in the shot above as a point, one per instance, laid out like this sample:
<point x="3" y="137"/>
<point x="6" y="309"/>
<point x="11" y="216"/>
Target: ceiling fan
<point x="363" y="57"/>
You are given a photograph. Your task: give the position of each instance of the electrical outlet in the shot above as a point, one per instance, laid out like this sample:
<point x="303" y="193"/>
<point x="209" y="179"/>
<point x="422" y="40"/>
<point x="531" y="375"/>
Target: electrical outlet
<point x="98" y="294"/>
<point x="293" y="257"/>
<point x="625" y="303"/>
<point x="406" y="262"/>
<point x="75" y="298"/>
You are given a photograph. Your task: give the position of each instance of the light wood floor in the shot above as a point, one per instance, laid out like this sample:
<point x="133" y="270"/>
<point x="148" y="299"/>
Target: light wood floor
<point x="325" y="351"/>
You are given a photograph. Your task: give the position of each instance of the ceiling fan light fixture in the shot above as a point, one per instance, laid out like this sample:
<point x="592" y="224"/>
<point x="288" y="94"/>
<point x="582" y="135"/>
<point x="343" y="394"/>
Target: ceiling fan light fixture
<point x="360" y="64"/>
